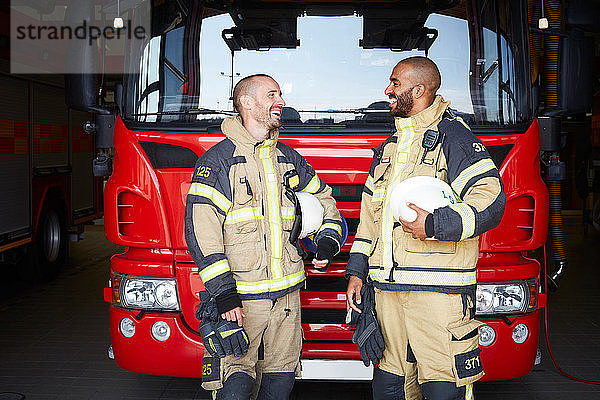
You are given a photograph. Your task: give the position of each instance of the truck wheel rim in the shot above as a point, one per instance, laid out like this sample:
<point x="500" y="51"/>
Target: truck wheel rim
<point x="51" y="241"/>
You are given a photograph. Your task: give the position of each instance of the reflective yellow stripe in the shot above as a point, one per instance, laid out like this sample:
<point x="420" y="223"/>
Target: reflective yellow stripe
<point x="402" y="158"/>
<point x="435" y="278"/>
<point x="369" y="184"/>
<point x="208" y="192"/>
<point x="243" y="214"/>
<point x="329" y="225"/>
<point x="214" y="269"/>
<point x="273" y="209"/>
<point x="469" y="392"/>
<point x="313" y="186"/>
<point x="229" y="332"/>
<point x="405" y="134"/>
<point x="468" y="219"/>
<point x="375" y="274"/>
<point x="378" y="195"/>
<point x="288" y="212"/>
<point x="361" y="247"/>
<point x="270" y="285"/>
<point x="474" y="170"/>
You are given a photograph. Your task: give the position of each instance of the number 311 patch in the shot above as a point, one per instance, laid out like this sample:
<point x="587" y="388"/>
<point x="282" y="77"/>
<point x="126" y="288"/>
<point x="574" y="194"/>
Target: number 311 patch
<point x="468" y="364"/>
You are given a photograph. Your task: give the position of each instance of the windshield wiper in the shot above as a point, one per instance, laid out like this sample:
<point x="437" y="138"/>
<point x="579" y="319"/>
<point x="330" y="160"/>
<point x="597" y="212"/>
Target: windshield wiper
<point x="194" y="111"/>
<point x="486" y="75"/>
<point x="345" y="111"/>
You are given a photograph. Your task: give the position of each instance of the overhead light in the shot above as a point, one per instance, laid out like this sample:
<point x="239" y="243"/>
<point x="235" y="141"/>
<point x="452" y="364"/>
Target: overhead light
<point x="118" y="22"/>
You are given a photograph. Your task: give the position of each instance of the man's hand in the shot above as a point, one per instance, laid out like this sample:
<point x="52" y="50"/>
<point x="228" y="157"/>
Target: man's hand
<point x="354" y="286"/>
<point x="417" y="227"/>
<point x="326" y="250"/>
<point x="320" y="264"/>
<point x="234" y="315"/>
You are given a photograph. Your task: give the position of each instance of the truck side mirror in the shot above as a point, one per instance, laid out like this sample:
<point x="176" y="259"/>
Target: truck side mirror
<point x="576" y="63"/>
<point x="81" y="88"/>
<point x="81" y="91"/>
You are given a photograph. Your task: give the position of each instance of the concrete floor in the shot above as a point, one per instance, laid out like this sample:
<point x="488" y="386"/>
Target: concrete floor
<point x="54" y="337"/>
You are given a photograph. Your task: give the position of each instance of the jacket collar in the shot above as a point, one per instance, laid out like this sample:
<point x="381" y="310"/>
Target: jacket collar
<point x="426" y="119"/>
<point x="234" y="130"/>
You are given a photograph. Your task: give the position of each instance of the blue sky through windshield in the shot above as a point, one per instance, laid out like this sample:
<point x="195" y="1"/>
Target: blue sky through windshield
<point x="329" y="70"/>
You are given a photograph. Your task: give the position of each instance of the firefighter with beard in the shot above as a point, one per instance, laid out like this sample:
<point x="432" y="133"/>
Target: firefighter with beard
<point x="423" y="289"/>
<point x="239" y="223"/>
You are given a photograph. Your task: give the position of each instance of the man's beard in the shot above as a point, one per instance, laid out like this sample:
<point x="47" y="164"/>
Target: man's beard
<point x="404" y="103"/>
<point x="269" y="122"/>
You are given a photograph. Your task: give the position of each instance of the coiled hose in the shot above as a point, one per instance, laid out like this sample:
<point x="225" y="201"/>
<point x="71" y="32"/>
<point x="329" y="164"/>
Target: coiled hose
<point x="535" y="39"/>
<point x="551" y="47"/>
<point x="557" y="234"/>
<point x="553" y="13"/>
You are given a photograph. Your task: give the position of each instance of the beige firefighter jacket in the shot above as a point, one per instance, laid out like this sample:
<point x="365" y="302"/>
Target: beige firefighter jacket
<point x="391" y="257"/>
<point x="238" y="219"/>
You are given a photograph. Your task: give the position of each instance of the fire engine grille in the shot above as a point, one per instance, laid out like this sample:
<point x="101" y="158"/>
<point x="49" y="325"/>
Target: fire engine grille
<point x="326" y="284"/>
<point x="323" y="316"/>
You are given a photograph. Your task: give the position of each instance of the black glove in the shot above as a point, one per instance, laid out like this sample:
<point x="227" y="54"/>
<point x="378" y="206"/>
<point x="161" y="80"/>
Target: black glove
<point x="212" y="341"/>
<point x="220" y="337"/>
<point x="207" y="314"/>
<point x="233" y="338"/>
<point x="367" y="334"/>
<point x="227" y="301"/>
<point x="327" y="248"/>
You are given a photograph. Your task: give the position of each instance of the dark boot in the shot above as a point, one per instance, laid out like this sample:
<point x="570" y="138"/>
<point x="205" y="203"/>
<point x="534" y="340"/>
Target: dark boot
<point x="276" y="386"/>
<point x="387" y="386"/>
<point x="443" y="391"/>
<point x="237" y="387"/>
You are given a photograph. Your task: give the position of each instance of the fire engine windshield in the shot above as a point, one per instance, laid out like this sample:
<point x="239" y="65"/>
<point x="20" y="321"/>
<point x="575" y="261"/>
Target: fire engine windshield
<point x="331" y="69"/>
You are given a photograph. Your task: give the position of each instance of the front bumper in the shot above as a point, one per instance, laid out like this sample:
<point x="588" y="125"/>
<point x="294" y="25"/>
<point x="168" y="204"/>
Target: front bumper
<point x="505" y="359"/>
<point x="180" y="355"/>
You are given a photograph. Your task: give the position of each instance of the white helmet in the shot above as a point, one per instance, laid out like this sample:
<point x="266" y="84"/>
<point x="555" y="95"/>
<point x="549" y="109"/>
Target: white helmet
<point x="424" y="191"/>
<point x="312" y="213"/>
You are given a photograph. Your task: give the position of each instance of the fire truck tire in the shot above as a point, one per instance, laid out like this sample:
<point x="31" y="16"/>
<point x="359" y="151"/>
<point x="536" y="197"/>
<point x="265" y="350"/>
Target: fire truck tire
<point x="45" y="256"/>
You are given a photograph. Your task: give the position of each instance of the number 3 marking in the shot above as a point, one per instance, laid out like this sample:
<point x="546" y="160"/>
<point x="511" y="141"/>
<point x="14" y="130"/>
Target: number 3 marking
<point x="478" y="147"/>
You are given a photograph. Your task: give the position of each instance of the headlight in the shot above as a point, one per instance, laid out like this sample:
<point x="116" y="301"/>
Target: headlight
<point x="506" y="298"/>
<point x="148" y="293"/>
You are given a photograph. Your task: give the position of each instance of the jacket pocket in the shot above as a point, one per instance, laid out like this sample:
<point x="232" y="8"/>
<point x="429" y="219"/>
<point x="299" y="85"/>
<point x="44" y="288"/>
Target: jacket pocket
<point x="245" y="256"/>
<point x="292" y="253"/>
<point x="242" y="191"/>
<point x="464" y="346"/>
<point x="375" y="255"/>
<point x="428" y="246"/>
<point x="245" y="213"/>
<point x="380" y="170"/>
<point x="379" y="187"/>
<point x="212" y="373"/>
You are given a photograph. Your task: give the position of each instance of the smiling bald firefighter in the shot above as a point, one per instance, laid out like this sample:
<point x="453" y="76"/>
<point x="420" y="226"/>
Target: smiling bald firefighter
<point x="412" y="284"/>
<point x="241" y="225"/>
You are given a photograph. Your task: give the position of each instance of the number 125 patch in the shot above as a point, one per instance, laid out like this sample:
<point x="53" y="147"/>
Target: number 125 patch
<point x="203" y="171"/>
<point x="211" y="367"/>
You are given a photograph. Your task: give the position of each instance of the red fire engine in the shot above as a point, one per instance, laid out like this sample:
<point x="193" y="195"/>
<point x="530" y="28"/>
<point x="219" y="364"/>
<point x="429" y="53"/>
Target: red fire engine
<point x="332" y="60"/>
<point x="48" y="189"/>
